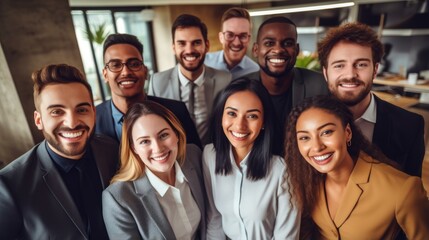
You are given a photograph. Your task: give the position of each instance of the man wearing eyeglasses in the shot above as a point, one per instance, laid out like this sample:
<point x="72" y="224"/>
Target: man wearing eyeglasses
<point x="125" y="73"/>
<point x="235" y="38"/>
<point x="191" y="81"/>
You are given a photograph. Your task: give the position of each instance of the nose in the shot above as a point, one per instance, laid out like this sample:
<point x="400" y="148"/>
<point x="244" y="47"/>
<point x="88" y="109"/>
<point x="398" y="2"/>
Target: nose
<point x="241" y="123"/>
<point x="189" y="48"/>
<point x="71" y="120"/>
<point x="125" y="70"/>
<point x="318" y="145"/>
<point x="157" y="146"/>
<point x="350" y="72"/>
<point x="277" y="48"/>
<point x="236" y="40"/>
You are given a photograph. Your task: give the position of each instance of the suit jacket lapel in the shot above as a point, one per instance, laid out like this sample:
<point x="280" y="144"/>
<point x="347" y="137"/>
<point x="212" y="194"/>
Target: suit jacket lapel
<point x="298" y="88"/>
<point x="57" y="187"/>
<point x="175" y="83"/>
<point x="104" y="170"/>
<point x="105" y="120"/>
<point x="209" y="88"/>
<point x="151" y="204"/>
<point x="360" y="175"/>
<point x="382" y="135"/>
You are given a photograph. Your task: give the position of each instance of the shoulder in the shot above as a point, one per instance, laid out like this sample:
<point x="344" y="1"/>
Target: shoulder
<point x="163" y="74"/>
<point x="397" y="112"/>
<point x="101" y="108"/>
<point x="310" y="75"/>
<point x="168" y="103"/>
<point x="212" y="56"/>
<point x="193" y="153"/>
<point x="101" y="140"/>
<point x="218" y="73"/>
<point x="19" y="165"/>
<point x="209" y="153"/>
<point x="253" y="76"/>
<point x="278" y="164"/>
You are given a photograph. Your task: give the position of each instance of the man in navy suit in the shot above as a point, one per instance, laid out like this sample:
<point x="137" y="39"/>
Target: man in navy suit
<point x="125" y="73"/>
<point x="350" y="56"/>
<point x="54" y="190"/>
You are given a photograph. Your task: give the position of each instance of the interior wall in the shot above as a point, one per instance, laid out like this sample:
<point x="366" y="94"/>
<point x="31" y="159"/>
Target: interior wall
<point x="33" y="34"/>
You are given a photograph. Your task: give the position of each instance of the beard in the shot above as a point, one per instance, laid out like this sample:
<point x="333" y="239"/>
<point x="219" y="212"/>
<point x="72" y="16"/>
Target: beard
<point x="70" y="149"/>
<point x="283" y="73"/>
<point x="350" y="98"/>
<point x="191" y="69"/>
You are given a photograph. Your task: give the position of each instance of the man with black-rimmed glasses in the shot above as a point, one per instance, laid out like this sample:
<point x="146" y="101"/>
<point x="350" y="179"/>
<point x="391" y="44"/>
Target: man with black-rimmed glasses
<point x="125" y="73"/>
<point x="235" y="38"/>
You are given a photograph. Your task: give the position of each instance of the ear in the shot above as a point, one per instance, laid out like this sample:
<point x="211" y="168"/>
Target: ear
<point x="375" y="70"/>
<point x="297" y="48"/>
<point x="207" y="45"/>
<point x="38" y="120"/>
<point x="325" y="74"/>
<point x="349" y="133"/>
<point x="105" y="75"/>
<point x="255" y="50"/>
<point x="221" y="40"/>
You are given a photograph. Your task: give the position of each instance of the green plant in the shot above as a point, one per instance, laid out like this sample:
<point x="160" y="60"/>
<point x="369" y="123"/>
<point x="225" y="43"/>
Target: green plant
<point x="308" y="61"/>
<point x="98" y="33"/>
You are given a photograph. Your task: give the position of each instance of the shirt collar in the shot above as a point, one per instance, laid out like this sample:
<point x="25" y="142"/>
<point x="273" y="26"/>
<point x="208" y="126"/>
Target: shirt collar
<point x="370" y="113"/>
<point x="117" y="115"/>
<point x="65" y="164"/>
<point x="184" y="81"/>
<point x="162" y="187"/>
<point x="243" y="163"/>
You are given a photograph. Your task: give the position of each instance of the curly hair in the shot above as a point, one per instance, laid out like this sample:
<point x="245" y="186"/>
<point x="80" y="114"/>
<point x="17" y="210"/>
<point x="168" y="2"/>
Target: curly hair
<point x="355" y="32"/>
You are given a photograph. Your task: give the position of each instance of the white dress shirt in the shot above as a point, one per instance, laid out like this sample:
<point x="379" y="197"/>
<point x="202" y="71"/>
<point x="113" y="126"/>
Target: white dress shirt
<point x="366" y="122"/>
<point x="249" y="210"/>
<point x="178" y="204"/>
<point x="200" y="114"/>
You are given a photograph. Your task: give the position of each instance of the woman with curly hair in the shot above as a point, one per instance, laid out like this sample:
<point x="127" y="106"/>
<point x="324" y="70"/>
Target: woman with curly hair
<point x="345" y="187"/>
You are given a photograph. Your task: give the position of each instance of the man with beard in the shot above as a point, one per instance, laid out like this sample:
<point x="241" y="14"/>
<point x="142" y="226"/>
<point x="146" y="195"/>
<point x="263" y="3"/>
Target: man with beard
<point x="350" y="56"/>
<point x="125" y="73"/>
<point x="276" y="49"/>
<point x="190" y="81"/>
<point x="235" y="37"/>
<point x="54" y="190"/>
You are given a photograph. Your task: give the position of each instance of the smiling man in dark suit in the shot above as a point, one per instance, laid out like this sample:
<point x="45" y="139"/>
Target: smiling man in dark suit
<point x="350" y="56"/>
<point x="125" y="73"/>
<point x="54" y="190"/>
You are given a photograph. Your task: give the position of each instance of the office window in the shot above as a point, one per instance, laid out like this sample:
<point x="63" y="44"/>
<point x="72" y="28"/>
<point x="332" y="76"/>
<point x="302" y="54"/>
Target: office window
<point x="92" y="26"/>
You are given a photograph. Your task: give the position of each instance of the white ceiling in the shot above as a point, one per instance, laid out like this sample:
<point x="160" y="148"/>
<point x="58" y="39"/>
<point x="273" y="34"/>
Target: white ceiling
<point x="95" y="3"/>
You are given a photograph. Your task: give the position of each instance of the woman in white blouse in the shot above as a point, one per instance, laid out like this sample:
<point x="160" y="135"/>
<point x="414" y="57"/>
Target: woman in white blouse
<point x="245" y="183"/>
<point x="156" y="194"/>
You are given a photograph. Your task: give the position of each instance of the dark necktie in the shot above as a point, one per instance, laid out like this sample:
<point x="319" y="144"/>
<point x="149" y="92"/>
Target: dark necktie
<point x="191" y="99"/>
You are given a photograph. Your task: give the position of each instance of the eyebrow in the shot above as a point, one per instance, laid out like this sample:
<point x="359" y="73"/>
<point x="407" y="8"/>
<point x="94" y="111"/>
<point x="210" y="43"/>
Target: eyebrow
<point x="144" y="137"/>
<point x="324" y="125"/>
<point x="87" y="104"/>
<point x="250" y="110"/>
<point x="357" y="60"/>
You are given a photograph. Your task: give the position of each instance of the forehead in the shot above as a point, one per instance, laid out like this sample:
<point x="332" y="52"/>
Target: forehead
<point x="69" y="95"/>
<point x="236" y="25"/>
<point x="188" y="33"/>
<point x="122" y="51"/>
<point x="315" y="117"/>
<point x="149" y="125"/>
<point x="278" y="31"/>
<point x="244" y="100"/>
<point x="349" y="51"/>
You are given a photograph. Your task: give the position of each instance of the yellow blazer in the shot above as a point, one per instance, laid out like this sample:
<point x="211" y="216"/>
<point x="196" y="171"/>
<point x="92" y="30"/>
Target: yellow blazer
<point x="378" y="199"/>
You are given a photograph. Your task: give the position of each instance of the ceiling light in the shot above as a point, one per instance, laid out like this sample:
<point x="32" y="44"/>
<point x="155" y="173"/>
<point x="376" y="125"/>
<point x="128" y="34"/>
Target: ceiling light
<point x="299" y="8"/>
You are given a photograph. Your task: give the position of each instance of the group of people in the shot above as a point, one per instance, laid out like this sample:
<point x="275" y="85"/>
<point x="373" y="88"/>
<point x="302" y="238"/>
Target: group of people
<point x="221" y="147"/>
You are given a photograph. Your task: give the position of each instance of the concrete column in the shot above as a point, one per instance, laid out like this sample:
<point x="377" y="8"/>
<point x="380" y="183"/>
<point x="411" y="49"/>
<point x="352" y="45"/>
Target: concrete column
<point x="33" y="33"/>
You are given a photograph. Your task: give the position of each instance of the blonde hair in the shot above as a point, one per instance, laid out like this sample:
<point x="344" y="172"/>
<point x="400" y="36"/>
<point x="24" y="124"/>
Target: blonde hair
<point x="132" y="167"/>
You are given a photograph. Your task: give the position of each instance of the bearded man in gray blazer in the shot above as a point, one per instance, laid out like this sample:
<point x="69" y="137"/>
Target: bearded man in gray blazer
<point x="54" y="190"/>
<point x="191" y="81"/>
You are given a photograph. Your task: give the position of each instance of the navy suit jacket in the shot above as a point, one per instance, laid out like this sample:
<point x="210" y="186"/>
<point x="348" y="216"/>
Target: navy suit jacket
<point x="400" y="136"/>
<point x="34" y="201"/>
<point x="131" y="209"/>
<point x="105" y="124"/>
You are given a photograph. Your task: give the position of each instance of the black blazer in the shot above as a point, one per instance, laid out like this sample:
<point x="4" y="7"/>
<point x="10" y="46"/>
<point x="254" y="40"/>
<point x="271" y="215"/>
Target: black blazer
<point x="105" y="125"/>
<point x="400" y="136"/>
<point x="35" y="202"/>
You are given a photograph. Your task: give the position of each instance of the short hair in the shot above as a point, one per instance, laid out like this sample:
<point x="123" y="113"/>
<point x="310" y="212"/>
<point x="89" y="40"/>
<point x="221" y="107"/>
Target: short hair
<point x="259" y="160"/>
<point x="132" y="167"/>
<point x="56" y="74"/>
<point x="354" y="32"/>
<point x="276" y="20"/>
<point x="122" y="38"/>
<point x="235" y="12"/>
<point x="187" y="21"/>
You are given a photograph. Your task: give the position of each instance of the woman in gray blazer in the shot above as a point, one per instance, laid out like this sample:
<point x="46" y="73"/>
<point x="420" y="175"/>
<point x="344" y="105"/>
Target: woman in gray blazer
<point x="156" y="194"/>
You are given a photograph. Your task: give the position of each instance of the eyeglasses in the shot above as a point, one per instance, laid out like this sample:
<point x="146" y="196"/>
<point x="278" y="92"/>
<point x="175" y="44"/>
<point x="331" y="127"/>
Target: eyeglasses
<point x="117" y="66"/>
<point x="230" y="36"/>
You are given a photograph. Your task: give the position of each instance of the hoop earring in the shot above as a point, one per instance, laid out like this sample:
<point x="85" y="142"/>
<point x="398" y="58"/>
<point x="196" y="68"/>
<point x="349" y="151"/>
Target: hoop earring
<point x="349" y="143"/>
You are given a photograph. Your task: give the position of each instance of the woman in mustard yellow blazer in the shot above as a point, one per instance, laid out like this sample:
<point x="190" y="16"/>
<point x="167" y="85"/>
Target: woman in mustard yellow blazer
<point x="345" y="187"/>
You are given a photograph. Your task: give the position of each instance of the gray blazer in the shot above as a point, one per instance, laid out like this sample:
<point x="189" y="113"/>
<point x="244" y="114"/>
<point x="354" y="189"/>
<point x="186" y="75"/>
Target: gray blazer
<point x="131" y="209"/>
<point x="34" y="201"/>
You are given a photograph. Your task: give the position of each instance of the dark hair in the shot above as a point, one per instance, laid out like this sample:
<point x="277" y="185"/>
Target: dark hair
<point x="187" y="21"/>
<point x="306" y="180"/>
<point x="56" y="74"/>
<point x="235" y="12"/>
<point x="259" y="160"/>
<point x="122" y="38"/>
<point x="355" y="32"/>
<point x="276" y="20"/>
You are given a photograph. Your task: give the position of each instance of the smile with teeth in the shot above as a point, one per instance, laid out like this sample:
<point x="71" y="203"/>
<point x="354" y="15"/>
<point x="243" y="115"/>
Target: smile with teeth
<point x="71" y="134"/>
<point x="239" y="135"/>
<point x="276" y="60"/>
<point x="349" y="85"/>
<point x="126" y="83"/>
<point x="162" y="157"/>
<point x="322" y="157"/>
<point x="190" y="58"/>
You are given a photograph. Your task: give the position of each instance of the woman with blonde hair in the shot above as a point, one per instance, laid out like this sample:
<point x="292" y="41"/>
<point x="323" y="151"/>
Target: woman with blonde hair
<point x="156" y="194"/>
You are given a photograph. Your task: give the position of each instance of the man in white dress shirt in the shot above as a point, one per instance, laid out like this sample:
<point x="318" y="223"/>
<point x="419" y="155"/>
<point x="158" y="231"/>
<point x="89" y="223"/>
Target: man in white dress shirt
<point x="191" y="81"/>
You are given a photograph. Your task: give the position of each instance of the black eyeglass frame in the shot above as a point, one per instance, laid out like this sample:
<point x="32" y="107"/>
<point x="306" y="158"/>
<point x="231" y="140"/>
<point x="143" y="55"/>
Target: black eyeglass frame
<point x="128" y="62"/>
<point x="242" y="37"/>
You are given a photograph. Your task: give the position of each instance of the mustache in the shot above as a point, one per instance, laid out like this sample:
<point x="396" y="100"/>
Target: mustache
<point x="193" y="54"/>
<point x="78" y="127"/>
<point x="350" y="80"/>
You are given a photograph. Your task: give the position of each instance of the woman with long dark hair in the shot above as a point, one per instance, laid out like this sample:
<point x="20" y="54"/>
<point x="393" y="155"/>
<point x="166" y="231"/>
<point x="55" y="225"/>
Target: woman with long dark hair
<point x="248" y="197"/>
<point x="346" y="188"/>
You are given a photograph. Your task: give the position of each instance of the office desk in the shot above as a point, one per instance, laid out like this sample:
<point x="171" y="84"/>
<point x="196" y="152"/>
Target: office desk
<point x="423" y="89"/>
